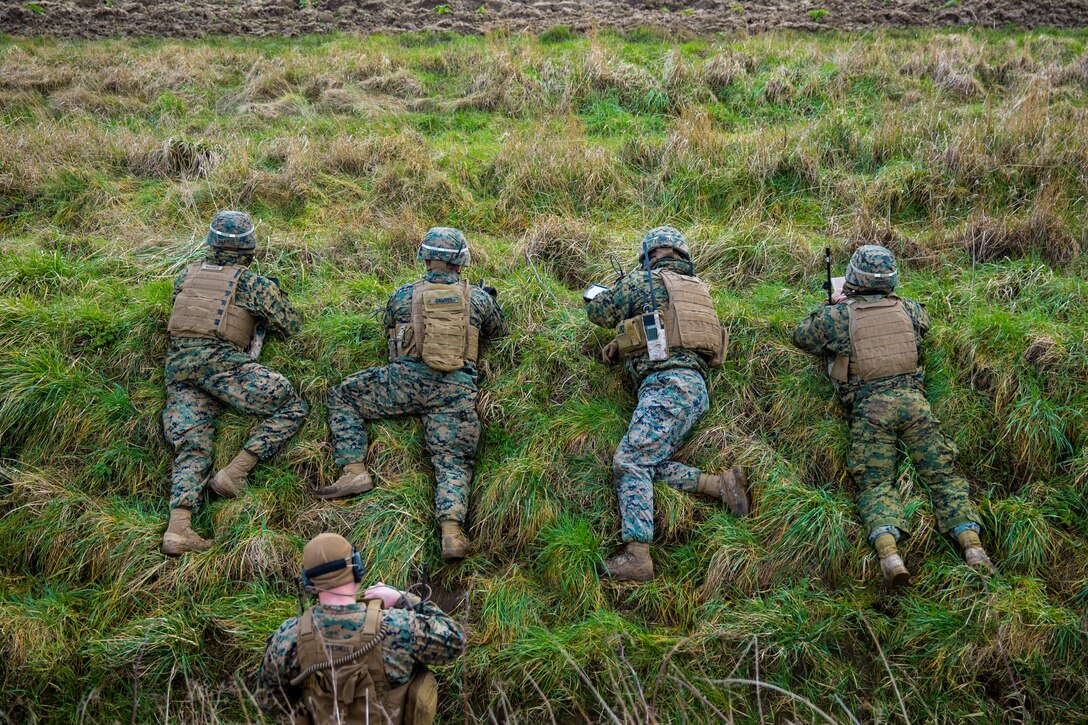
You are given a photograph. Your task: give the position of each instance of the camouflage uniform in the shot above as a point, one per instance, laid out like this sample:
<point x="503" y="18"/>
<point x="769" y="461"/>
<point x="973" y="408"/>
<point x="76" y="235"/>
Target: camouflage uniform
<point x="672" y="397"/>
<point x="203" y="375"/>
<point x="882" y="413"/>
<point x="421" y="634"/>
<point x="446" y="401"/>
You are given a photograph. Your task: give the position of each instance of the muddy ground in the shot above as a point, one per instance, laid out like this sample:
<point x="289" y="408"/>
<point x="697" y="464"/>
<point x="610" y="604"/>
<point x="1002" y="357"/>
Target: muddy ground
<point x="102" y="18"/>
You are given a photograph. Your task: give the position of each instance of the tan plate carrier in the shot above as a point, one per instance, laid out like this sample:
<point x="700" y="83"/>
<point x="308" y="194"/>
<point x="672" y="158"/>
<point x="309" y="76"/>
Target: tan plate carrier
<point x="882" y="341"/>
<point x="205" y="306"/>
<point x="362" y="691"/>
<point x="441" y="330"/>
<point x="690" y="321"/>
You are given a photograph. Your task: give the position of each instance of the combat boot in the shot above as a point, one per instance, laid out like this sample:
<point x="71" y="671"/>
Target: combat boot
<point x="179" y="537"/>
<point x="891" y="564"/>
<point x="230" y="481"/>
<point x="974" y="554"/>
<point x="730" y="487"/>
<point x="354" y="480"/>
<point x="455" y="544"/>
<point x="632" y="563"/>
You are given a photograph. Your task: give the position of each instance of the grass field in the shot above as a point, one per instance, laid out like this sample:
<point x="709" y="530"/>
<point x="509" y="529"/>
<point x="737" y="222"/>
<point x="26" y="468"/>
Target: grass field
<point x="965" y="153"/>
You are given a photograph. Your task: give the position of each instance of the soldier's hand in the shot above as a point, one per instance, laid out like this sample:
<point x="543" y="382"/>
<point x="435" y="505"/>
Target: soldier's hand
<point x="389" y="595"/>
<point x="837" y="294"/>
<point x="491" y="291"/>
<point x="610" y="353"/>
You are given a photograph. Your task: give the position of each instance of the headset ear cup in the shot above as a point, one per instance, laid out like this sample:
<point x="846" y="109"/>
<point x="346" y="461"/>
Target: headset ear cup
<point x="357" y="569"/>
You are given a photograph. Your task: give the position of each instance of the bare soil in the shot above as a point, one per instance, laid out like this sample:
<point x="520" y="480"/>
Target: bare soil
<point x="105" y="18"/>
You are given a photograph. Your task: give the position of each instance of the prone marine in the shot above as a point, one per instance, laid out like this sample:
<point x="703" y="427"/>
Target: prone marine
<point x="871" y="339"/>
<point x="667" y="335"/>
<point x="221" y="311"/>
<point x="434" y="329"/>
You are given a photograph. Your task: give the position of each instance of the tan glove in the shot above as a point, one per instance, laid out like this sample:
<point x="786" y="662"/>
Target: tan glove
<point x="610" y="353"/>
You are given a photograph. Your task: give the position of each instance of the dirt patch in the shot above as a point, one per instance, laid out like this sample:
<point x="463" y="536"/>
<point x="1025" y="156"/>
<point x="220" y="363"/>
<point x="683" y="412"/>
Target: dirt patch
<point x="105" y="18"/>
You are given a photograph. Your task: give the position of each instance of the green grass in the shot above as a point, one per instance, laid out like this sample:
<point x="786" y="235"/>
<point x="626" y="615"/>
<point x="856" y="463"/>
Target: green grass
<point x="963" y="152"/>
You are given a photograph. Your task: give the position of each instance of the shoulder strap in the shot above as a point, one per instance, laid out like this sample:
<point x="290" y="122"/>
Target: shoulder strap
<point x="309" y="650"/>
<point x="373" y="617"/>
<point x="306" y="623"/>
<point x="417" y="316"/>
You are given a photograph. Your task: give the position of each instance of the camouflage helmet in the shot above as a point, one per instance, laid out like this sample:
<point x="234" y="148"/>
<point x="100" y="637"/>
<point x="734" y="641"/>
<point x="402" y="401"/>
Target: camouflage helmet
<point x="872" y="267"/>
<point x="445" y="244"/>
<point x="666" y="237"/>
<point x="232" y="230"/>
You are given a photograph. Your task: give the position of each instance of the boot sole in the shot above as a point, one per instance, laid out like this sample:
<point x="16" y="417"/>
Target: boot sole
<point x="604" y="573"/>
<point x="900" y="581"/>
<point x="224" y="492"/>
<point x="740" y="480"/>
<point x="455" y="554"/>
<point x="982" y="565"/>
<point x="176" y="547"/>
<point x="345" y="492"/>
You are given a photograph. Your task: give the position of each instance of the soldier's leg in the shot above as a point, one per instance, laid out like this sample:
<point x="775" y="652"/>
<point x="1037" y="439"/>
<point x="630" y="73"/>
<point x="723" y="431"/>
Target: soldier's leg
<point x="257" y="390"/>
<point x="871" y="462"/>
<point x="452" y="435"/>
<point x="686" y="395"/>
<point x="451" y="427"/>
<point x="657" y="428"/>
<point x="189" y="424"/>
<point x="934" y="457"/>
<point x="381" y="392"/>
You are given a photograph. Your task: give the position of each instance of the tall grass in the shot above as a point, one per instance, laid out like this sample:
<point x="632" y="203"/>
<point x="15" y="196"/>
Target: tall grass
<point x="963" y="152"/>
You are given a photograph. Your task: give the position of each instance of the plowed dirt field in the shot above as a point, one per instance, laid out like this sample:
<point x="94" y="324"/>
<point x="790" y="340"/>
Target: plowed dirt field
<point x="105" y="18"/>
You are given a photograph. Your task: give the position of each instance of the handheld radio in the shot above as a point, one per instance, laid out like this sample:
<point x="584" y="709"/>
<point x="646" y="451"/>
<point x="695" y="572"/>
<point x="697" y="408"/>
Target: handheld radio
<point x="657" y="347"/>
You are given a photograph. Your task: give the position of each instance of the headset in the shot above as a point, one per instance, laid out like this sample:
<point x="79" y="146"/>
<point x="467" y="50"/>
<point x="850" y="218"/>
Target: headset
<point x="356" y="563"/>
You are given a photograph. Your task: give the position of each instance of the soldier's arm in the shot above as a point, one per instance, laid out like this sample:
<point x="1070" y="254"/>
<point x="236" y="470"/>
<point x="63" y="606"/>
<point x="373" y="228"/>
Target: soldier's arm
<point x="401" y="299"/>
<point x="920" y="318"/>
<point x="492" y="320"/>
<point x="178" y="282"/>
<point x="433" y="637"/>
<point x="388" y="321"/>
<point x="276" y="312"/>
<point x="609" y="308"/>
<point x="275" y="695"/>
<point x="811" y="335"/>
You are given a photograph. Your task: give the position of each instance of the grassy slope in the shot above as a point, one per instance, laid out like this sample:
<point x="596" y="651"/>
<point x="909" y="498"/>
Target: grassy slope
<point x="965" y="153"/>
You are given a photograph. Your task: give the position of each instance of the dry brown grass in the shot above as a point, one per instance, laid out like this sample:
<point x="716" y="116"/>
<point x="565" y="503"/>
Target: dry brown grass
<point x="567" y="246"/>
<point x="949" y="63"/>
<point x="723" y="70"/>
<point x="1041" y="232"/>
<point x="549" y="172"/>
<point x="174" y="158"/>
<point x="603" y="72"/>
<point x="399" y="83"/>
